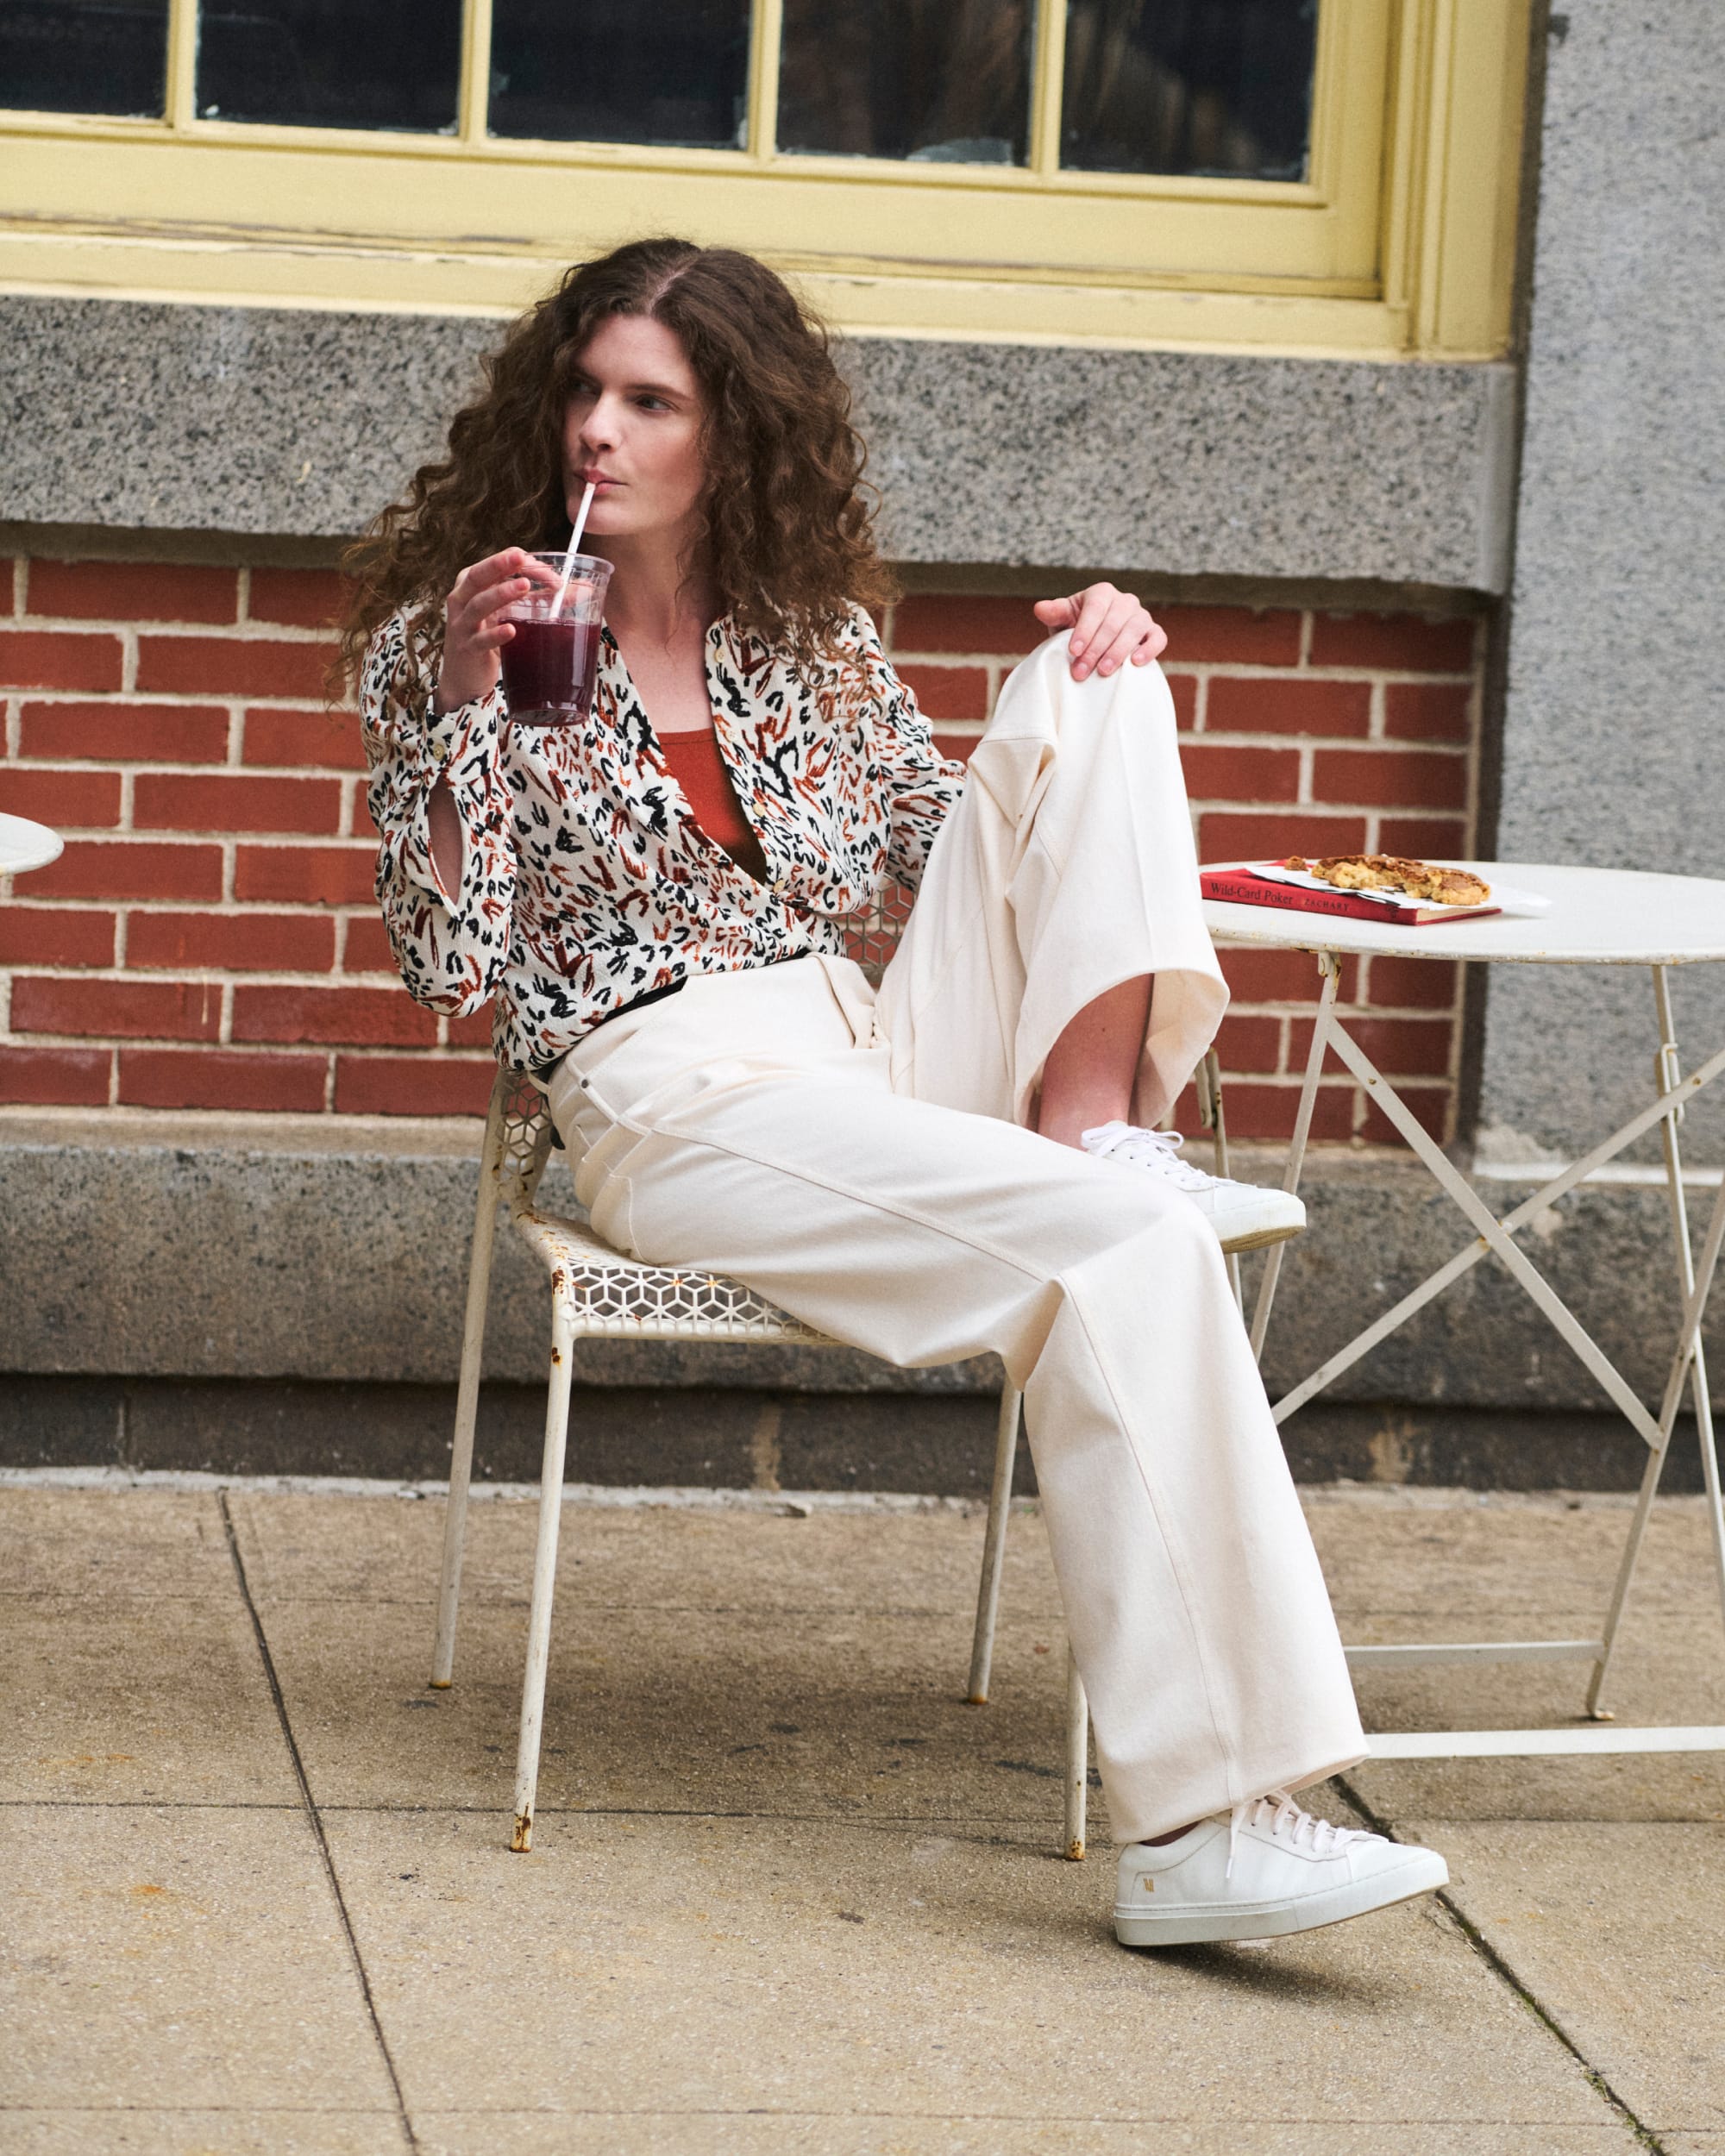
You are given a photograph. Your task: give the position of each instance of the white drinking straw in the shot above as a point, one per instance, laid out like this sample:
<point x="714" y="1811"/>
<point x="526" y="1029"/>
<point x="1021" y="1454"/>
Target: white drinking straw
<point x="574" y="547"/>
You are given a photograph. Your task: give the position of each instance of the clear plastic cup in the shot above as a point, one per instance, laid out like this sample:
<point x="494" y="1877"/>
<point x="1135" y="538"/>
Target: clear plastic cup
<point x="550" y="663"/>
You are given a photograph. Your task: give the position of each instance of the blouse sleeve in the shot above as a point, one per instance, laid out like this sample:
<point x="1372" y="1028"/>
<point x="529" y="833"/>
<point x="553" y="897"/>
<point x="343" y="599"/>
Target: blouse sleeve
<point x="921" y="784"/>
<point x="449" y="946"/>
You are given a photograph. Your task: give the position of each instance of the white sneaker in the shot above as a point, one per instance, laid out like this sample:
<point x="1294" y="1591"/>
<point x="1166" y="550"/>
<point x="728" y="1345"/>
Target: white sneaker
<point x="1244" y="1215"/>
<point x="1267" y="1870"/>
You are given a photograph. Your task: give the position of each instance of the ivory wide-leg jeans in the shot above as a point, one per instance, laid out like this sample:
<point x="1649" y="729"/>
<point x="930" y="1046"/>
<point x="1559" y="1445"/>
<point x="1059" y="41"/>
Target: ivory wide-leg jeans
<point x="864" y="1162"/>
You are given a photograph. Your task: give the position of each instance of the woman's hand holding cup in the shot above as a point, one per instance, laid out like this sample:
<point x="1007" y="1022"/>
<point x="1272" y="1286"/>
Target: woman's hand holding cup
<point x="473" y="633"/>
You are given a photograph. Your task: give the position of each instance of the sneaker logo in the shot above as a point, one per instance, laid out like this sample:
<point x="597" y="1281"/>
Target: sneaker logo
<point x="1146" y="1883"/>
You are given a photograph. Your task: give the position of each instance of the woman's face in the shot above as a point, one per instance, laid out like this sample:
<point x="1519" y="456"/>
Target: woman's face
<point x="633" y="426"/>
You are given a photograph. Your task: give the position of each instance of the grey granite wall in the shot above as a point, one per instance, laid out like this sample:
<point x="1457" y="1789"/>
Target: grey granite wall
<point x="1614" y="746"/>
<point x="278" y="1249"/>
<point x="298" y="423"/>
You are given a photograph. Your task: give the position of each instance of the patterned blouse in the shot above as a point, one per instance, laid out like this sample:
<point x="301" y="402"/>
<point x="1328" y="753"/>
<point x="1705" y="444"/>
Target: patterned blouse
<point x="586" y="881"/>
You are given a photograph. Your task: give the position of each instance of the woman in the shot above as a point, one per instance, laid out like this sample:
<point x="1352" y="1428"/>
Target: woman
<point x="657" y="899"/>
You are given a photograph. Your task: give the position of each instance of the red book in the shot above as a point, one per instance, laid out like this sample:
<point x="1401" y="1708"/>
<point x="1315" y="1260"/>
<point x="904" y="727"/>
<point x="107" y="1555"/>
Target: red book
<point x="1239" y="886"/>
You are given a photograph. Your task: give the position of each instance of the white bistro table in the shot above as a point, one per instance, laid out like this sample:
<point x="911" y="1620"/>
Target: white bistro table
<point x="1598" y="917"/>
<point x="26" y="845"/>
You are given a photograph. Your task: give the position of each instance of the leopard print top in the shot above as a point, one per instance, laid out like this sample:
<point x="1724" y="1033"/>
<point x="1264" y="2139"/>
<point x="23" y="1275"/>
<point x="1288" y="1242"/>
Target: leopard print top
<point x="585" y="881"/>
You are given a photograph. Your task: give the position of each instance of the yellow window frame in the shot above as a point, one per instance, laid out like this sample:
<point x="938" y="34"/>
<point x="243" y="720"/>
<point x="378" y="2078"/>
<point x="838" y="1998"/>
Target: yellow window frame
<point x="1401" y="241"/>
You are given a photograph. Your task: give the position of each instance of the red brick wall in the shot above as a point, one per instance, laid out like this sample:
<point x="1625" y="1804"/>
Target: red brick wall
<point x="209" y="938"/>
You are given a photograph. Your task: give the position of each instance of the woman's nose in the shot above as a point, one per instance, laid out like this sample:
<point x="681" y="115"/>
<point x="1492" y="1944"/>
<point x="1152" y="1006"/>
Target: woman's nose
<point x="598" y="428"/>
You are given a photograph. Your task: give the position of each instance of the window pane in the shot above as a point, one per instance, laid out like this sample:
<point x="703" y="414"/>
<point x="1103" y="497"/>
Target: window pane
<point x="84" y="56"/>
<point x="1199" y="86"/>
<point x="674" y="71"/>
<point x="940" y="81"/>
<point x="331" y="63"/>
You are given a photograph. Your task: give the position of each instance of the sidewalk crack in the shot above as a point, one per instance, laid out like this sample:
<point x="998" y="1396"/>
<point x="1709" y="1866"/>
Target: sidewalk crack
<point x="316" y="1821"/>
<point x="1505" y="1973"/>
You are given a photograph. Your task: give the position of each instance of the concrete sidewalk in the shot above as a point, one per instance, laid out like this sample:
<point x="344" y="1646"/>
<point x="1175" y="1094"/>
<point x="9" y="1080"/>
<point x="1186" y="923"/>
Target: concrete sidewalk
<point x="789" y="1894"/>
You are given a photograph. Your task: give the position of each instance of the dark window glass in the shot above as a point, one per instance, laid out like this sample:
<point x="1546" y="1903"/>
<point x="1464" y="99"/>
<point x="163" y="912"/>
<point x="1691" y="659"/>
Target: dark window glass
<point x="938" y="81"/>
<point x="673" y="72"/>
<point x="84" y="56"/>
<point x="330" y="63"/>
<point x="1199" y="86"/>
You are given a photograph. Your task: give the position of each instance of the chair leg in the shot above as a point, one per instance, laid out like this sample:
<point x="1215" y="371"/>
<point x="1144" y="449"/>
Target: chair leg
<point x="468" y="1400"/>
<point x="544" y="1573"/>
<point x="994" y="1544"/>
<point x="1077" y="1760"/>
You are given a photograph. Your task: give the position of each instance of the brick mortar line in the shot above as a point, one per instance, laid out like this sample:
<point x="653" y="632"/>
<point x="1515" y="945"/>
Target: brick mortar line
<point x="114" y="1044"/>
<point x="142" y="767"/>
<point x="108" y="833"/>
<point x="179" y="699"/>
<point x="1230" y="669"/>
<point x="1326" y="805"/>
<point x="214" y="909"/>
<point x="444" y="1052"/>
<point x="1201" y="804"/>
<point x="192" y="975"/>
<point x="1388" y="750"/>
<point x="250" y="630"/>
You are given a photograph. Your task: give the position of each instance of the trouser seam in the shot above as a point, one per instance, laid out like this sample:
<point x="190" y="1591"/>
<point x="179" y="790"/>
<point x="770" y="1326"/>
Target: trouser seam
<point x="1194" y="1631"/>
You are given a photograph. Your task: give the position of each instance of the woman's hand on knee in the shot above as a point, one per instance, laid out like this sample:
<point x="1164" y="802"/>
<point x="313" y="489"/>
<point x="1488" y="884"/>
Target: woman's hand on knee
<point x="1109" y="626"/>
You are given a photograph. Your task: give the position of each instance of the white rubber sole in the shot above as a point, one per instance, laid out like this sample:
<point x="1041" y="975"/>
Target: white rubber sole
<point x="1202" y="1923"/>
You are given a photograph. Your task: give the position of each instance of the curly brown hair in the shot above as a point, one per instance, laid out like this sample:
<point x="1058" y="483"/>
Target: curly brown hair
<point x="786" y="525"/>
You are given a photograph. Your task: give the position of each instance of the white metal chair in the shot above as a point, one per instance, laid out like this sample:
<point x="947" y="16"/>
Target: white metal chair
<point x="597" y="1294"/>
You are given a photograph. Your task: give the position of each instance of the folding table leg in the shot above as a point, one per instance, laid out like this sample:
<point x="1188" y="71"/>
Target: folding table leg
<point x="1213" y="1116"/>
<point x="1330" y="966"/>
<point x="995" y="1544"/>
<point x="544" y="1571"/>
<point x="1667" y="1076"/>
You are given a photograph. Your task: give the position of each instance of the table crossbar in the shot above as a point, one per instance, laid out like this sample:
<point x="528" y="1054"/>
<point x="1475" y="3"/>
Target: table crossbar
<point x="1516" y="1744"/>
<point x="1477" y="1651"/>
<point x="1330" y="1033"/>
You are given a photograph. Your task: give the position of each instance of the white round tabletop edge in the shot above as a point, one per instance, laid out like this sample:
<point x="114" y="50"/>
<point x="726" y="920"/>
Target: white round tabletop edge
<point x="25" y="845"/>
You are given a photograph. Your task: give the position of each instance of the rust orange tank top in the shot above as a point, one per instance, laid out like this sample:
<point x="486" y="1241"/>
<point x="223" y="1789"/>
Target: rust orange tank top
<point x="698" y="768"/>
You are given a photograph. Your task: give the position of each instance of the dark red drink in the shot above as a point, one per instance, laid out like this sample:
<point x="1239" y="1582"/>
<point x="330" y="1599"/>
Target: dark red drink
<point x="547" y="671"/>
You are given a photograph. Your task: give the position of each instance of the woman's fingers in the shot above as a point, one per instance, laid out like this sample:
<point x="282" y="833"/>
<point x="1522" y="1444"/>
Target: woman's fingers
<point x="1131" y="634"/>
<point x="1109" y="627"/>
<point x="483" y="586"/>
<point x="1092" y="611"/>
<point x="1109" y="646"/>
<point x="471" y="616"/>
<point x="1153" y="644"/>
<point x="472" y="634"/>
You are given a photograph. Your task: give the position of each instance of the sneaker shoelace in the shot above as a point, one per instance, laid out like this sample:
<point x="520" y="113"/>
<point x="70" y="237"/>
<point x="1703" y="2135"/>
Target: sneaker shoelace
<point x="1287" y="1822"/>
<point x="1158" y="1150"/>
